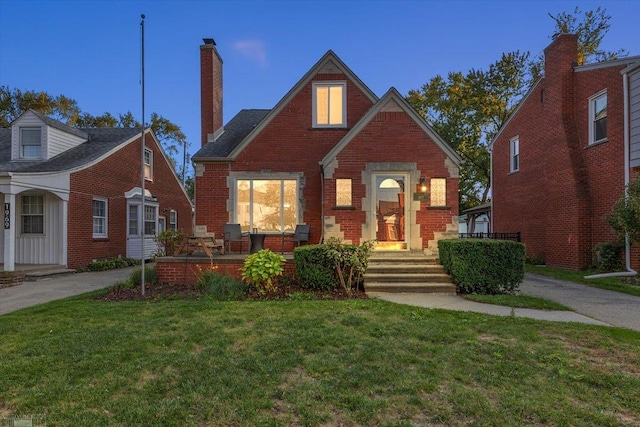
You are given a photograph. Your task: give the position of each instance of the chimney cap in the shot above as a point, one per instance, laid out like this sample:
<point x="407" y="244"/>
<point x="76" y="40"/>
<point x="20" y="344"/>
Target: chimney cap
<point x="209" y="41"/>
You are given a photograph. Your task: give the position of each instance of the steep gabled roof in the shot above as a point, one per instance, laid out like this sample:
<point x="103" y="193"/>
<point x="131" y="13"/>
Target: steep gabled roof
<point x="392" y="95"/>
<point x="327" y="60"/>
<point x="234" y="132"/>
<point x="100" y="142"/>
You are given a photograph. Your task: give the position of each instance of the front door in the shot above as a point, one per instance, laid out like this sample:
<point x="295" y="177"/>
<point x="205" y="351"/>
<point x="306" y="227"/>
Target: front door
<point x="390" y="212"/>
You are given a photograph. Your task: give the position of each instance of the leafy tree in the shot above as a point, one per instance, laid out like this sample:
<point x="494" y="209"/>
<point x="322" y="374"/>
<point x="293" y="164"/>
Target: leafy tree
<point x="14" y="102"/>
<point x="468" y="109"/>
<point x="625" y="216"/>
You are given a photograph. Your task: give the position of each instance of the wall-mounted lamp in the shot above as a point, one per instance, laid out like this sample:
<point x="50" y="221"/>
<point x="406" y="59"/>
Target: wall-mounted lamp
<point x="423" y="184"/>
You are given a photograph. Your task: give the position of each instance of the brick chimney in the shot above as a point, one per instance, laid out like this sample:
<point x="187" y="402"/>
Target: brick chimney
<point x="210" y="90"/>
<point x="561" y="56"/>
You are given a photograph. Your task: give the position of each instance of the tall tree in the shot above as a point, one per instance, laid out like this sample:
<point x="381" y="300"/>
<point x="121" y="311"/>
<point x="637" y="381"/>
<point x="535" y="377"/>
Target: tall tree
<point x="14" y="102"/>
<point x="468" y="109"/>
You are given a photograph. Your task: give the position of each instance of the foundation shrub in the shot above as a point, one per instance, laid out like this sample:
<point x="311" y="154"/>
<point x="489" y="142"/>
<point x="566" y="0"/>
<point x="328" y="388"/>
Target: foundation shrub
<point x="314" y="270"/>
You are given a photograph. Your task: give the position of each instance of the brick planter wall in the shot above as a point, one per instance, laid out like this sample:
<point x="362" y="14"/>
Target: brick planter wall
<point x="185" y="270"/>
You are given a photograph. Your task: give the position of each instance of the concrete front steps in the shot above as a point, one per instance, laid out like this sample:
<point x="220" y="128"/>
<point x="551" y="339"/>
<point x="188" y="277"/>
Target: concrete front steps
<point x="403" y="271"/>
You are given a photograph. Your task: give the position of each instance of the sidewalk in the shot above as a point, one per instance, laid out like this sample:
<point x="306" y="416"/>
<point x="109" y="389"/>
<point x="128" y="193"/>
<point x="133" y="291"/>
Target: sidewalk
<point x="56" y="287"/>
<point x="592" y="305"/>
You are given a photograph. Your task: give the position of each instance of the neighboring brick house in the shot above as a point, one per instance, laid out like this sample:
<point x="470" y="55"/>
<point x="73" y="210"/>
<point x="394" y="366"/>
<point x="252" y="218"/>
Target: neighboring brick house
<point x="74" y="195"/>
<point x="330" y="154"/>
<point x="559" y="162"/>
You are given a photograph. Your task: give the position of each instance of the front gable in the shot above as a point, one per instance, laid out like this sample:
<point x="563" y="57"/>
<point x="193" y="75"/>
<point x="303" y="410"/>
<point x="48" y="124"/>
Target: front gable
<point x="296" y="111"/>
<point x="35" y="137"/>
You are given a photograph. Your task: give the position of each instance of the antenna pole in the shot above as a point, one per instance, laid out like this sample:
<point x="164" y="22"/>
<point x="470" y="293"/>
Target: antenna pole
<point x="142" y="164"/>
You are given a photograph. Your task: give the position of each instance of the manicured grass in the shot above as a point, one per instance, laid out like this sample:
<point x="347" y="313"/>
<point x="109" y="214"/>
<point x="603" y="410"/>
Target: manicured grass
<point x="610" y="283"/>
<point x="519" y="301"/>
<point x="353" y="362"/>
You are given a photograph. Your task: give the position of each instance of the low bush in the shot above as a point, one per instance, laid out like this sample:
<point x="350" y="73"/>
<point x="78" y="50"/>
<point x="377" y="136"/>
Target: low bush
<point x="483" y="266"/>
<point x="221" y="287"/>
<point x="313" y="269"/>
<point x="609" y="256"/>
<point x="261" y="269"/>
<point x="112" y="263"/>
<point x="349" y="262"/>
<point x="150" y="275"/>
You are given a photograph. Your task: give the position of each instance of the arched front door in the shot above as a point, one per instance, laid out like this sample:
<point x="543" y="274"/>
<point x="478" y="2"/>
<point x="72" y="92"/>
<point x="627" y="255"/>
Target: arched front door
<point x="390" y="210"/>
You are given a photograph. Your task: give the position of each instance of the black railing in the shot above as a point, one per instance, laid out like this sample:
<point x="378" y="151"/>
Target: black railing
<point x="499" y="236"/>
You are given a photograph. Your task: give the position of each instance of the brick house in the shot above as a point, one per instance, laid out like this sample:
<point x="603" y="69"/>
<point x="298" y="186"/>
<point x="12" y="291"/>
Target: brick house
<point x="330" y="154"/>
<point x="74" y="195"/>
<point x="561" y="160"/>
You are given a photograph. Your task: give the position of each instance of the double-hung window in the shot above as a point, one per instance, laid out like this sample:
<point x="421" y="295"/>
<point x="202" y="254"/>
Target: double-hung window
<point x="150" y="214"/>
<point x="329" y="104"/>
<point x="514" y="153"/>
<point x="148" y="164"/>
<point x="598" y="117"/>
<point x="30" y="143"/>
<point x="267" y="204"/>
<point x="173" y="220"/>
<point x="33" y="214"/>
<point x="99" y="217"/>
<point x="133" y="220"/>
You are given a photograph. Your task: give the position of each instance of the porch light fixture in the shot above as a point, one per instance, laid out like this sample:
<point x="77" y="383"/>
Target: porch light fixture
<point x="423" y="184"/>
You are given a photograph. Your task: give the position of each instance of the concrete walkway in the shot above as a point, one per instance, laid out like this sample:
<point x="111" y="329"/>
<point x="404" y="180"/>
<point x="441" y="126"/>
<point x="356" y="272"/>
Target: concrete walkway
<point x="56" y="287"/>
<point x="592" y="305"/>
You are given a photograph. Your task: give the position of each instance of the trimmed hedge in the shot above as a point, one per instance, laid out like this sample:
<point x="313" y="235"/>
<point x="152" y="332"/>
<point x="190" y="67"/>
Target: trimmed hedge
<point x="314" y="270"/>
<point x="483" y="266"/>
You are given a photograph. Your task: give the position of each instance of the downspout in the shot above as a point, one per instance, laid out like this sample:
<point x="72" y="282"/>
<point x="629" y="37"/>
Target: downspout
<point x="321" y="202"/>
<point x="627" y="178"/>
<point x="491" y="185"/>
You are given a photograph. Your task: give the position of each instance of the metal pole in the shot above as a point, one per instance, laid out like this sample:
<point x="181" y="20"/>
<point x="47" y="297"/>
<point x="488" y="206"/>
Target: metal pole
<point x="142" y="213"/>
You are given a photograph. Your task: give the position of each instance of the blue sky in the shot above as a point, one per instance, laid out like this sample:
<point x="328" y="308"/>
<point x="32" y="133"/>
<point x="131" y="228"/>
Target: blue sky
<point x="90" y="50"/>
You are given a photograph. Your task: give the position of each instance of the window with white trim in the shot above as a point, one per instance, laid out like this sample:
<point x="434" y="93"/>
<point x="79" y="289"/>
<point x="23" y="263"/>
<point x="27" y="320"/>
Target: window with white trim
<point x="267" y="204"/>
<point x="343" y="192"/>
<point x="148" y="164"/>
<point x="99" y="217"/>
<point x="598" y="117"/>
<point x="438" y="192"/>
<point x="32" y="217"/>
<point x="173" y="220"/>
<point x="133" y="221"/>
<point x="514" y="154"/>
<point x="162" y="224"/>
<point x="329" y="104"/>
<point x="31" y="143"/>
<point x="150" y="219"/>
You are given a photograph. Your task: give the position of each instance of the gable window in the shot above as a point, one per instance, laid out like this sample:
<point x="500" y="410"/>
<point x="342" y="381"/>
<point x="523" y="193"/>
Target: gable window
<point x="32" y="214"/>
<point x="598" y="117"/>
<point x="30" y="143"/>
<point x="148" y="164"/>
<point x="329" y="104"/>
<point x="173" y="220"/>
<point x="343" y="192"/>
<point x="438" y="191"/>
<point x="514" y="153"/>
<point x="267" y="204"/>
<point x="99" y="217"/>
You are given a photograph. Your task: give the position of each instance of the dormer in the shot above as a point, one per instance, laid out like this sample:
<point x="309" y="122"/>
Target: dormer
<point x="35" y="137"/>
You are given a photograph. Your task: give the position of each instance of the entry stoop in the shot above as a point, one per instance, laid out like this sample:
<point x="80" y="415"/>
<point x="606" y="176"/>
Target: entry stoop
<point x="410" y="272"/>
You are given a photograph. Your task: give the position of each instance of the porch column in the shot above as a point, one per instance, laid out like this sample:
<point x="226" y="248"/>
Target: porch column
<point x="65" y="228"/>
<point x="9" y="232"/>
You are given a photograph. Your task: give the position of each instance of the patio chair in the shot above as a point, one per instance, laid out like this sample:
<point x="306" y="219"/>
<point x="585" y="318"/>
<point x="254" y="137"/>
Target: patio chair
<point x="233" y="233"/>
<point x="300" y="235"/>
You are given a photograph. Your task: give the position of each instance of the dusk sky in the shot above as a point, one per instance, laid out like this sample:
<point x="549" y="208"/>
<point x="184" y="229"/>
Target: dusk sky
<point x="90" y="50"/>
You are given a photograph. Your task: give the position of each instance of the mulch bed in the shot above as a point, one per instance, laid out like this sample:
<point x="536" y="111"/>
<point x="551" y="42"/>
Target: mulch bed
<point x="156" y="292"/>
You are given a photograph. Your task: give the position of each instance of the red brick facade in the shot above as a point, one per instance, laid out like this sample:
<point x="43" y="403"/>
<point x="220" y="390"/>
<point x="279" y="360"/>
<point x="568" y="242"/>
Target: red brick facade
<point x="393" y="139"/>
<point x="564" y="188"/>
<point x="110" y="179"/>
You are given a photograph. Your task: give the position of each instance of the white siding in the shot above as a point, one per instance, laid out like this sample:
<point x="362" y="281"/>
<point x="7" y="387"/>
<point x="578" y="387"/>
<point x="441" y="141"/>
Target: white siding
<point x="634" y="117"/>
<point x="2" y="235"/>
<point x="46" y="248"/>
<point x="60" y="141"/>
<point x="133" y="247"/>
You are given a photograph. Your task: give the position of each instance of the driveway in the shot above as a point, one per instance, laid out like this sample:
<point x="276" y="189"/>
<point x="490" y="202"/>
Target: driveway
<point x="56" y="287"/>
<point x="611" y="307"/>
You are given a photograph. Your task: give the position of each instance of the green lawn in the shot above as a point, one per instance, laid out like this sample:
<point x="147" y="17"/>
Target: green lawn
<point x="610" y="283"/>
<point x="354" y="362"/>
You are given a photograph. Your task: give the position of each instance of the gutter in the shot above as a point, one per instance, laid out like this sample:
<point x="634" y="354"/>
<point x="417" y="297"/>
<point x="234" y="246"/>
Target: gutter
<point x="627" y="151"/>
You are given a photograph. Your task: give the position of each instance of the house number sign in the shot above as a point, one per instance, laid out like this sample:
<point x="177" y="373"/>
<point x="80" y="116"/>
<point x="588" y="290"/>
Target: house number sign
<point x="7" y="216"/>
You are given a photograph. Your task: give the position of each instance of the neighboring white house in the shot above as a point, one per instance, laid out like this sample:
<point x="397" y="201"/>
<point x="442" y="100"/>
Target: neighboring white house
<point x="476" y="220"/>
